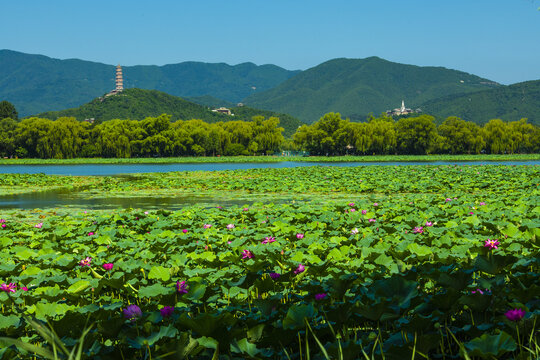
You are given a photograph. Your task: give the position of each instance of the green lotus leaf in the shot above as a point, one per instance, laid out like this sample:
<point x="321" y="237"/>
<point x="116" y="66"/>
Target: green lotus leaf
<point x="79" y="286"/>
<point x="488" y="346"/>
<point x="159" y="272"/>
<point x="154" y="291"/>
<point x="297" y="314"/>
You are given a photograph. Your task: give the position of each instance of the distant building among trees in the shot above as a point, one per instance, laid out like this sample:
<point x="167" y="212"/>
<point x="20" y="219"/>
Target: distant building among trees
<point x="402" y="110"/>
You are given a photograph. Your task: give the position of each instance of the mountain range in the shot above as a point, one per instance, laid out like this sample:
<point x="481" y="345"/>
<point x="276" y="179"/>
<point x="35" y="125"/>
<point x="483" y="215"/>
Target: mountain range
<point x="353" y="87"/>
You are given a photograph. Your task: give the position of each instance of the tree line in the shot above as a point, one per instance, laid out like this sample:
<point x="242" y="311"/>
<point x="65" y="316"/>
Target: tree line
<point x="331" y="135"/>
<point x="419" y="135"/>
<point x="154" y="136"/>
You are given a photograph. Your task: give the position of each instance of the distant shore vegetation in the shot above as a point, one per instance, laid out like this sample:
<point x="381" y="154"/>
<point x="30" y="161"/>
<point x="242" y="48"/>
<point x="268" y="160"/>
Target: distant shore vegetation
<point x="158" y="137"/>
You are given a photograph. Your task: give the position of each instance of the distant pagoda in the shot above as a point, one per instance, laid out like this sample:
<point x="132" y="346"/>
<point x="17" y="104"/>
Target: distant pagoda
<point x="119" y="82"/>
<point x="119" y="79"/>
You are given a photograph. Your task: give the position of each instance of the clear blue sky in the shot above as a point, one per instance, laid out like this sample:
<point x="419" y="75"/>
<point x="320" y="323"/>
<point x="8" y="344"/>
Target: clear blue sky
<point x="496" y="39"/>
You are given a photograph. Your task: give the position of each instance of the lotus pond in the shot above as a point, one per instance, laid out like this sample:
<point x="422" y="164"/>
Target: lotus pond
<point x="425" y="262"/>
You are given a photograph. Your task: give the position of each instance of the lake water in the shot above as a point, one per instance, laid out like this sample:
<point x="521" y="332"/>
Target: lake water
<point x="75" y="199"/>
<point x="117" y="169"/>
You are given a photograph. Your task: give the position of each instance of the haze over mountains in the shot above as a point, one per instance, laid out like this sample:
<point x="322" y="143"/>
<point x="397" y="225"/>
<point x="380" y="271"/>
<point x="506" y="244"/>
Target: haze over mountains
<point x="352" y="87"/>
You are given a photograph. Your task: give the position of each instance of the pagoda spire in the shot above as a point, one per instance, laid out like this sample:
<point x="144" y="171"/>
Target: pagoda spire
<point x="119" y="79"/>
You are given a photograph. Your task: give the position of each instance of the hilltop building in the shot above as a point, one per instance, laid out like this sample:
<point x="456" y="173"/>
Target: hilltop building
<point x="401" y="111"/>
<point x="119" y="82"/>
<point x="223" y="110"/>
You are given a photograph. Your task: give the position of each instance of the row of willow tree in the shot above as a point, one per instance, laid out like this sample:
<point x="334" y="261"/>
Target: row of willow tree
<point x="331" y="135"/>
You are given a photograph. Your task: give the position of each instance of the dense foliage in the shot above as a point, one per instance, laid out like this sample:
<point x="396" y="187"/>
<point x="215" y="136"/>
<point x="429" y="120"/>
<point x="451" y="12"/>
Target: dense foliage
<point x="418" y="262"/>
<point x="36" y="83"/>
<point x="7" y="110"/>
<point x="138" y="104"/>
<point x="332" y="135"/>
<point x="153" y="136"/>
<point x="358" y="87"/>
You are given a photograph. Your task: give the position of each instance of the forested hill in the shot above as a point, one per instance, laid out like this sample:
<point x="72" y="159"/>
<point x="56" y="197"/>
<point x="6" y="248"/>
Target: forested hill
<point x="138" y="104"/>
<point x="357" y="87"/>
<point x="37" y="83"/>
<point x="510" y="103"/>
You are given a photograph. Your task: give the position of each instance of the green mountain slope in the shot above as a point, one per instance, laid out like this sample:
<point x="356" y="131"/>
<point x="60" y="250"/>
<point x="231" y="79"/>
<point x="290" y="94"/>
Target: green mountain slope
<point x="36" y="83"/>
<point x="356" y="87"/>
<point x="510" y="103"/>
<point x="137" y="104"/>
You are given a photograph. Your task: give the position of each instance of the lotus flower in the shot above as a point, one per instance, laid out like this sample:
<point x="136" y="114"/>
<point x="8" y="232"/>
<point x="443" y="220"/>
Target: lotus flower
<point x="166" y="311"/>
<point x="351" y="204"/>
<point x="320" y="296"/>
<point x="38" y="226"/>
<point x="230" y="226"/>
<point x="371" y="220"/>
<point x="274" y="275"/>
<point x="299" y="236"/>
<point x="246" y="254"/>
<point x="132" y="312"/>
<point x="429" y="223"/>
<point x="85" y="262"/>
<point x="492" y="244"/>
<point x="9" y="288"/>
<point x="354" y="231"/>
<point x="185" y="231"/>
<point x="299" y="269"/>
<point x="268" y="240"/>
<point x="90" y="233"/>
<point x="515" y="314"/>
<point x="181" y="287"/>
<point x="108" y="266"/>
<point x="364" y="212"/>
<point x="375" y="204"/>
<point x="418" y="230"/>
<point x="207" y="226"/>
<point x="482" y="203"/>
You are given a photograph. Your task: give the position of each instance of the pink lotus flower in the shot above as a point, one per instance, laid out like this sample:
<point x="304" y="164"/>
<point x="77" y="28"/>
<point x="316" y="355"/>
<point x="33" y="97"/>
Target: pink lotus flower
<point x="230" y="226"/>
<point x="246" y="254"/>
<point x="515" y="314"/>
<point x="268" y="240"/>
<point x="24" y="288"/>
<point x="375" y="204"/>
<point x="108" y="266"/>
<point x="299" y="269"/>
<point x="351" y="204"/>
<point x="471" y="213"/>
<point x="354" y="231"/>
<point x="320" y="296"/>
<point x="185" y="231"/>
<point x="132" y="312"/>
<point x="418" y="230"/>
<point x="482" y="203"/>
<point x="429" y="223"/>
<point x="364" y="212"/>
<point x="2" y="220"/>
<point x="90" y="233"/>
<point x="9" y="288"/>
<point x="85" y="262"/>
<point x="38" y="226"/>
<point x="352" y="210"/>
<point x="207" y="226"/>
<point x="448" y="200"/>
<point x="181" y="287"/>
<point x="3" y="226"/>
<point x="299" y="236"/>
<point x="166" y="311"/>
<point x="371" y="220"/>
<point x="246" y="209"/>
<point x="492" y="244"/>
<point x="274" y="275"/>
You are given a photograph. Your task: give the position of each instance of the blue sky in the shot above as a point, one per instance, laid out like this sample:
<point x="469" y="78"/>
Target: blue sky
<point x="496" y="39"/>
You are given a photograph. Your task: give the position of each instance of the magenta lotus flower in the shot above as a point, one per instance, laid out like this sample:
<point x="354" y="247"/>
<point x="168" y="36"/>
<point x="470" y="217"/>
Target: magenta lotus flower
<point x="38" y="226"/>
<point x="207" y="226"/>
<point x="375" y="204"/>
<point x="492" y="244"/>
<point x="246" y="254"/>
<point x="245" y="209"/>
<point x="108" y="266"/>
<point x="274" y="275"/>
<point x="90" y="233"/>
<point x="371" y="220"/>
<point x="299" y="269"/>
<point x="85" y="262"/>
<point x="9" y="288"/>
<point x="364" y="212"/>
<point x="181" y="287"/>
<point x="482" y="203"/>
<point x="352" y="210"/>
<point x="515" y="314"/>
<point x="268" y="240"/>
<point x="418" y="230"/>
<point x="230" y="226"/>
<point x="24" y="288"/>
<point x="354" y="231"/>
<point x="132" y="312"/>
<point x="185" y="231"/>
<point x="320" y="296"/>
<point x="429" y="223"/>
<point x="299" y="236"/>
<point x="3" y="226"/>
<point x="351" y="204"/>
<point x="2" y="220"/>
<point x="447" y="200"/>
<point x="166" y="311"/>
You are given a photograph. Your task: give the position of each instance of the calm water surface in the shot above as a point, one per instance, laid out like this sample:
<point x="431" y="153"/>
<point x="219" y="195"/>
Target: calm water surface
<point x="116" y="169"/>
